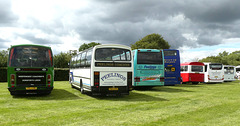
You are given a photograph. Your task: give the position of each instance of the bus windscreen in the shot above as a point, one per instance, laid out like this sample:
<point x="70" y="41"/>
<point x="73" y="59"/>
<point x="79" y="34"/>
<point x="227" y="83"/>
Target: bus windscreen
<point x="112" y="54"/>
<point x="149" y="58"/>
<point x="229" y="70"/>
<point x="29" y="56"/>
<point x="170" y="53"/>
<point x="197" y="68"/>
<point x="215" y="66"/>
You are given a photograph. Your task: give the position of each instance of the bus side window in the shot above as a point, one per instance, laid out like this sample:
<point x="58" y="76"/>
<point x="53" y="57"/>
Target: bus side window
<point x="128" y="55"/>
<point x="83" y="59"/>
<point x="78" y="61"/>
<point x="184" y="68"/>
<point x="73" y="62"/>
<point x="88" y="58"/>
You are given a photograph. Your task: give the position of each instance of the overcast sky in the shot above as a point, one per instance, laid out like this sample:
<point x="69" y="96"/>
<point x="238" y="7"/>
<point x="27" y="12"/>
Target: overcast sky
<point x="198" y="28"/>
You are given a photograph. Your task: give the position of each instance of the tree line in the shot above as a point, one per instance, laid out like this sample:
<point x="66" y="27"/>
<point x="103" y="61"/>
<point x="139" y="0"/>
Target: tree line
<point x="152" y="41"/>
<point x="225" y="58"/>
<point x="61" y="60"/>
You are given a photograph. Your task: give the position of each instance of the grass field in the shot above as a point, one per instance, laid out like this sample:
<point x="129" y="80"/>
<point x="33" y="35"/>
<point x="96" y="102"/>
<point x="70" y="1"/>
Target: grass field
<point x="203" y="104"/>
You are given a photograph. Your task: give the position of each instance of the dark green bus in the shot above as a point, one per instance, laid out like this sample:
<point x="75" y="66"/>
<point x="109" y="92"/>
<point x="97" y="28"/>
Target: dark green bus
<point x="30" y="69"/>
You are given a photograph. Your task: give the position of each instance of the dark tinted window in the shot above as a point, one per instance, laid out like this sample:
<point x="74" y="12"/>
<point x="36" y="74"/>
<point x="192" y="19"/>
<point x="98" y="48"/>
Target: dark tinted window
<point x="197" y="68"/>
<point x="215" y="66"/>
<point x="83" y="59"/>
<point x="149" y="58"/>
<point x="170" y="53"/>
<point x="184" y="68"/>
<point x="30" y="56"/>
<point x="89" y="58"/>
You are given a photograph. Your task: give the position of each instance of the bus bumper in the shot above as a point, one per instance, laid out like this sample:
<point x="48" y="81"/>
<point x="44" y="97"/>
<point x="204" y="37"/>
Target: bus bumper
<point x="15" y="91"/>
<point x="109" y="90"/>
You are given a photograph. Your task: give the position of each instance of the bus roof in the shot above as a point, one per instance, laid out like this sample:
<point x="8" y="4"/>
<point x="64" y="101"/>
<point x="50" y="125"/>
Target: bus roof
<point x="228" y="66"/>
<point x="170" y="49"/>
<point x="193" y="63"/>
<point x="112" y="45"/>
<point x="29" y="45"/>
<point x="212" y="63"/>
<point x="148" y="50"/>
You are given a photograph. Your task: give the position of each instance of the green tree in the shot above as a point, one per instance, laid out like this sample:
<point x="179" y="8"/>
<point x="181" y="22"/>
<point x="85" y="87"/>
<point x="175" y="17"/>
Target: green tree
<point x="86" y="46"/>
<point x="152" y="41"/>
<point x="225" y="58"/>
<point x="61" y="60"/>
<point x="3" y="58"/>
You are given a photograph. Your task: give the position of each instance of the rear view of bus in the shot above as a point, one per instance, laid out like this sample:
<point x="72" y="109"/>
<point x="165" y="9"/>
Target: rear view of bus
<point x="214" y="73"/>
<point x="192" y="72"/>
<point x="148" y="68"/>
<point x="172" y="67"/>
<point x="112" y="70"/>
<point x="229" y="73"/>
<point x="30" y="69"/>
<point x="103" y="70"/>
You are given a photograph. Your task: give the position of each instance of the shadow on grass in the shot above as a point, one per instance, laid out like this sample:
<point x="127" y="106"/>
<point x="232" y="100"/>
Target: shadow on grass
<point x="57" y="94"/>
<point x="191" y="85"/>
<point x="132" y="97"/>
<point x="166" y="89"/>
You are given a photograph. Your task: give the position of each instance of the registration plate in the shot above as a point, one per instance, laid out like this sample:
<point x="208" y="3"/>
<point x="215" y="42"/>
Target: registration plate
<point x="31" y="88"/>
<point x="216" y="76"/>
<point x="112" y="89"/>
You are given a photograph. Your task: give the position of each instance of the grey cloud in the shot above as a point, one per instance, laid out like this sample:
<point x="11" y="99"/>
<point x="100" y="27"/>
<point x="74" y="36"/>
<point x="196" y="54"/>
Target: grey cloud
<point x="125" y="22"/>
<point x="216" y="11"/>
<point x="3" y="46"/>
<point x="6" y="15"/>
<point x="2" y="40"/>
<point x="35" y="40"/>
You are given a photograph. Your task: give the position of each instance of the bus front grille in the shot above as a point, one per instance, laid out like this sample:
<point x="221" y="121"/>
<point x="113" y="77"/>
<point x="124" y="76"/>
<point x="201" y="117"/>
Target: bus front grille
<point x="31" y="79"/>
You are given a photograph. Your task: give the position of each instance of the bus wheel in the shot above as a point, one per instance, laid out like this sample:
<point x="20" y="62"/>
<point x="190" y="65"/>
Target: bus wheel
<point x="81" y="87"/>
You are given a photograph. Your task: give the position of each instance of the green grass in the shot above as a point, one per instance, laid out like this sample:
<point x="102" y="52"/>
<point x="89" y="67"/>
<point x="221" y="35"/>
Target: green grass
<point x="203" y="104"/>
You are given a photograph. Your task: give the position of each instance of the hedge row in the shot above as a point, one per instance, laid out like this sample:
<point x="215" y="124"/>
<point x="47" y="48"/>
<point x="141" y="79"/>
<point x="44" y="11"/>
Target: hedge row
<point x="59" y="74"/>
<point x="3" y="74"/>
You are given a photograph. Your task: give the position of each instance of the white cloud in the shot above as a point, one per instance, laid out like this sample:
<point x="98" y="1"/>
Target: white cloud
<point x="189" y="54"/>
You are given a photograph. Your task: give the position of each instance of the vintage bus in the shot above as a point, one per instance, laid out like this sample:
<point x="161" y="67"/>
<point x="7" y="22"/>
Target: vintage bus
<point x="103" y="70"/>
<point x="148" y="68"/>
<point x="192" y="72"/>
<point x="172" y="67"/>
<point x="30" y="69"/>
<point x="214" y="73"/>
<point x="229" y="73"/>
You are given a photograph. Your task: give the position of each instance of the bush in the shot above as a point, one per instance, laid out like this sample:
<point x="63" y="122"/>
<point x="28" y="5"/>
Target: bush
<point x="61" y="74"/>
